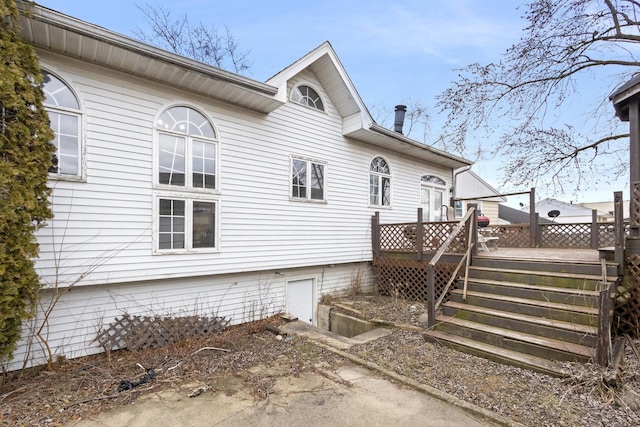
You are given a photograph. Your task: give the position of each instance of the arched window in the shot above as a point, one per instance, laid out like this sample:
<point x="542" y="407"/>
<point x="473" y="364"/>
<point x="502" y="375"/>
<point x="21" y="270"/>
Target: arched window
<point x="187" y="179"/>
<point x="65" y="121"/>
<point x="379" y="182"/>
<point x="305" y="95"/>
<point x="186" y="149"/>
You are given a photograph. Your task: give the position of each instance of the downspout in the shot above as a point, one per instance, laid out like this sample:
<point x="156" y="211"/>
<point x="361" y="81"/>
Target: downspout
<point x="454" y="179"/>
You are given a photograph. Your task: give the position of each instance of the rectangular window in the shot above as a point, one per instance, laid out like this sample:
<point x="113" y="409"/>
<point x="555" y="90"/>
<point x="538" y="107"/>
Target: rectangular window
<point x="67" y="143"/>
<point x="459" y="209"/>
<point x="374" y="190"/>
<point x="204" y="164"/>
<point x="171" y="160"/>
<point x="204" y="225"/>
<point x="172" y="221"/>
<point x="308" y="180"/>
<point x="185" y="224"/>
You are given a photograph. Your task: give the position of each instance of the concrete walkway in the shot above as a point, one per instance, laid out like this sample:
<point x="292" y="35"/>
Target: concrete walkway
<point x="354" y="396"/>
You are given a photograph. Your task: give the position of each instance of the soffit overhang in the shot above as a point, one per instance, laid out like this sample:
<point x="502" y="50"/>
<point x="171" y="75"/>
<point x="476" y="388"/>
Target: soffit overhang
<point x="53" y="31"/>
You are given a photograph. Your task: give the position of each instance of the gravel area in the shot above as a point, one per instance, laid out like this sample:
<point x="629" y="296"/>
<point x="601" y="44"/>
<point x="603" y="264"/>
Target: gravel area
<point x="82" y="387"/>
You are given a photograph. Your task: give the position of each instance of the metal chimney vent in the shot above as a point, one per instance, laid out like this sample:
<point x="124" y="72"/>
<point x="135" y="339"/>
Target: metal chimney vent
<point x="399" y="121"/>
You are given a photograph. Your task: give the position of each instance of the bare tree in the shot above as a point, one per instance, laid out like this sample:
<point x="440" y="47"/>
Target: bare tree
<point x="526" y="101"/>
<point x="202" y="43"/>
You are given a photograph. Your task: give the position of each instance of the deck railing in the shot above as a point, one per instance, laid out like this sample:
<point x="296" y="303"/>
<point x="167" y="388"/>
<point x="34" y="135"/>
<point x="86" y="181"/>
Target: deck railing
<point x="421" y="246"/>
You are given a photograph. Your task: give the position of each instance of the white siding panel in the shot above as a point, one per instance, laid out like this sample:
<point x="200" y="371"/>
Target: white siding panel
<point x="83" y="311"/>
<point x="105" y="223"/>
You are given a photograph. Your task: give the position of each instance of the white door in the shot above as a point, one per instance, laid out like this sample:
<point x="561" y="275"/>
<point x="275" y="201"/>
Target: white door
<point x="431" y="199"/>
<point x="300" y="299"/>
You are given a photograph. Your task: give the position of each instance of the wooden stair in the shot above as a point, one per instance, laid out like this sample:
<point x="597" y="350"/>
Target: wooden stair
<point x="532" y="314"/>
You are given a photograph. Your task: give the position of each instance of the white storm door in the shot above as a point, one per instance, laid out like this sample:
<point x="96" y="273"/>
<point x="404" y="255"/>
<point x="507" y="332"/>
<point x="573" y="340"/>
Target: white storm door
<point x="425" y="203"/>
<point x="438" y="197"/>
<point x="431" y="203"/>
<point x="300" y="299"/>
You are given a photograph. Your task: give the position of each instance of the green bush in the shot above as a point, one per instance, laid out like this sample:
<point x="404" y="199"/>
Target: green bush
<point x="25" y="158"/>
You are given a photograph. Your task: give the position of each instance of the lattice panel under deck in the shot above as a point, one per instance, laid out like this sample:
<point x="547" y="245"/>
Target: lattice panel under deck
<point x="635" y="205"/>
<point x="627" y="301"/>
<point x="141" y="332"/>
<point x="407" y="279"/>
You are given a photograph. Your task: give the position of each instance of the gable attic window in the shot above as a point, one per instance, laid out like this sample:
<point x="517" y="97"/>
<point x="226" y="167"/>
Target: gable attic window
<point x="305" y="95"/>
<point x="64" y="113"/>
<point x="307" y="180"/>
<point x="379" y="182"/>
<point x="186" y="177"/>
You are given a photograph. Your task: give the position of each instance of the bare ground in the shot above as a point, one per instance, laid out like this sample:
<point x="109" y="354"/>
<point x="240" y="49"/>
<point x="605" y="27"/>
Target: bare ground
<point x="79" y="388"/>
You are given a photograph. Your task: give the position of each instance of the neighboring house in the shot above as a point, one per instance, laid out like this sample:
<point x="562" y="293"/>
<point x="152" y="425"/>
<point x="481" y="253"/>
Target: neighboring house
<point x="508" y="215"/>
<point x="607" y="207"/>
<point x="469" y="185"/>
<point x="568" y="212"/>
<point x="183" y="189"/>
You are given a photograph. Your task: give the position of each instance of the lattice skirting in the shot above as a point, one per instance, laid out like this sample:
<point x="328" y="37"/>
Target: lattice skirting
<point x="141" y="332"/>
<point x="627" y="301"/>
<point x="407" y="279"/>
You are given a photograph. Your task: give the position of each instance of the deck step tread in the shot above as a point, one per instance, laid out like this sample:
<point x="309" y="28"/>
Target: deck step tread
<point x="531" y="302"/>
<point x="543" y="261"/>
<point x="534" y="362"/>
<point x="568" y="326"/>
<point x="551" y="343"/>
<point x="538" y="273"/>
<point x="572" y="291"/>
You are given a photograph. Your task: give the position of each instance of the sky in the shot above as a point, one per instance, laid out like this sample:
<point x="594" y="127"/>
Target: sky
<point x="393" y="51"/>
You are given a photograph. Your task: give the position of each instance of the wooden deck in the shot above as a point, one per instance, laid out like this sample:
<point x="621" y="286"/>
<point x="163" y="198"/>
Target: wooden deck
<point x="547" y="254"/>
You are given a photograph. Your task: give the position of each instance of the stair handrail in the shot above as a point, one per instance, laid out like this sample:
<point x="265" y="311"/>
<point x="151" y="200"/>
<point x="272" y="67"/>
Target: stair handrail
<point x="431" y="306"/>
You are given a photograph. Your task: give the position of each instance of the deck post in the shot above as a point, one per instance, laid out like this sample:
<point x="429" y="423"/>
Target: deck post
<point x="594" y="229"/>
<point x="603" y="351"/>
<point x="419" y="236"/>
<point x="533" y="224"/>
<point x="431" y="296"/>
<point x="375" y="234"/>
<point x="618" y="212"/>
<point x="474" y="228"/>
<point x="537" y="231"/>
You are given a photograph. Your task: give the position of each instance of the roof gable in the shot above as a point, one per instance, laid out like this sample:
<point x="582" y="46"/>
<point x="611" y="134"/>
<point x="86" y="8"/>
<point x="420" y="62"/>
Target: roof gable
<point x="325" y="65"/>
<point x="469" y="184"/>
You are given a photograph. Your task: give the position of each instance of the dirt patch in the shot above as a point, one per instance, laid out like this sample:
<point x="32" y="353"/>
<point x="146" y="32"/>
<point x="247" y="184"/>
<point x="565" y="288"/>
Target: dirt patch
<point x="83" y="387"/>
<point x="256" y="358"/>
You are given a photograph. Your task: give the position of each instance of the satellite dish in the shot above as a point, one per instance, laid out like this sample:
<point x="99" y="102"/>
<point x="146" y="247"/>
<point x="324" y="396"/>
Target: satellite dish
<point x="553" y="214"/>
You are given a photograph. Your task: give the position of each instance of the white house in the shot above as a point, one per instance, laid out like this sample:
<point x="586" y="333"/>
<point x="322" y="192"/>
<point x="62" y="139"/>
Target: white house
<point x="567" y="213"/>
<point x="469" y="185"/>
<point x="181" y="188"/>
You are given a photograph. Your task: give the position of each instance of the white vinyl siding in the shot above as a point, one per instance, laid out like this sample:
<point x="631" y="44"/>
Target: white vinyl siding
<point x="242" y="297"/>
<point x="106" y="225"/>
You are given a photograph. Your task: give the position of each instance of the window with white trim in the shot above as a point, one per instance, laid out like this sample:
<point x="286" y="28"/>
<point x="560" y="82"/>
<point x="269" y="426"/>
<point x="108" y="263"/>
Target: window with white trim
<point x="379" y="182"/>
<point x="65" y="120"/>
<point x="459" y="208"/>
<point x="186" y="177"/>
<point x="308" y="179"/>
<point x="186" y="223"/>
<point x="306" y="95"/>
